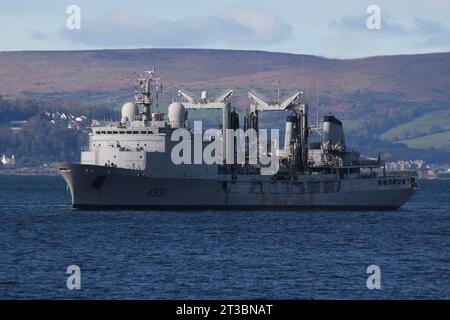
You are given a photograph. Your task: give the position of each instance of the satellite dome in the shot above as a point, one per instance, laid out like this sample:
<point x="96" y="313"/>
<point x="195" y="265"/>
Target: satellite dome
<point x="129" y="111"/>
<point x="177" y="115"/>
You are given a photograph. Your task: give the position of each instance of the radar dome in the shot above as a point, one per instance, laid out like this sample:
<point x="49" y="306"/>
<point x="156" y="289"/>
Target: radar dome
<point x="177" y="115"/>
<point x="129" y="111"/>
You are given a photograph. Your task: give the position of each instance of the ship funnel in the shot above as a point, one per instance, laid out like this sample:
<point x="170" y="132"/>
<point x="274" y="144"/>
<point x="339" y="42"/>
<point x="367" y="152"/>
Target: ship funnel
<point x="333" y="134"/>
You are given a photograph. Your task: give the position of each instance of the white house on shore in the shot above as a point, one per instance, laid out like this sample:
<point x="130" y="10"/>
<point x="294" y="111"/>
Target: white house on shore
<point x="8" y="162"/>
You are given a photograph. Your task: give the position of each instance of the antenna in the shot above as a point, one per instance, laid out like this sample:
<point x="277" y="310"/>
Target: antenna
<point x="259" y="70"/>
<point x="307" y="90"/>
<point x="317" y="102"/>
<point x="302" y="73"/>
<point x="278" y="91"/>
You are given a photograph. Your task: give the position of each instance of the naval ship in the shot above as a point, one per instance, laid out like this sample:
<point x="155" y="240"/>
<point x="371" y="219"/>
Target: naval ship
<point x="129" y="163"/>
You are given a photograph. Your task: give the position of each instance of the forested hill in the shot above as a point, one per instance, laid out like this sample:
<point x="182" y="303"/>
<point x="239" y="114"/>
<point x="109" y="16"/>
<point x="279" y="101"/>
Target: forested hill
<point x="39" y="132"/>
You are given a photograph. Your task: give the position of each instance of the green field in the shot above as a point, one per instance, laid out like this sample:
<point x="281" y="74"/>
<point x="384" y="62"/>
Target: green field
<point x="428" y="124"/>
<point x="439" y="140"/>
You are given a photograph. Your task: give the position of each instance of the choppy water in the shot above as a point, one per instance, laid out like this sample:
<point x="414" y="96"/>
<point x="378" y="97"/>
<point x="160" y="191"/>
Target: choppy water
<point x="220" y="255"/>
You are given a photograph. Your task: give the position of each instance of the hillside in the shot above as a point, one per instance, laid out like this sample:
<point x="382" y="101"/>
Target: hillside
<point x="418" y="77"/>
<point x="384" y="100"/>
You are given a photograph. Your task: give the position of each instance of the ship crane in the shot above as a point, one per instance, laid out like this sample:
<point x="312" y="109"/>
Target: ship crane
<point x="297" y="131"/>
<point x="258" y="103"/>
<point x="229" y="119"/>
<point x="191" y="102"/>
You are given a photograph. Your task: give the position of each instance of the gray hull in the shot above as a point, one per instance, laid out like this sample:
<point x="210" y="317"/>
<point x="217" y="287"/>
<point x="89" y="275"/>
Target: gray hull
<point x="99" y="187"/>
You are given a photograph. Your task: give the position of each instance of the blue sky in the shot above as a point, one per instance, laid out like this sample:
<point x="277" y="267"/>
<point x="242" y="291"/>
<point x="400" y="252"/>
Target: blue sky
<point x="325" y="28"/>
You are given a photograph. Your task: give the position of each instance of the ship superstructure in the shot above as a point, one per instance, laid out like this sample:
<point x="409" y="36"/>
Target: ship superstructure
<point x="131" y="164"/>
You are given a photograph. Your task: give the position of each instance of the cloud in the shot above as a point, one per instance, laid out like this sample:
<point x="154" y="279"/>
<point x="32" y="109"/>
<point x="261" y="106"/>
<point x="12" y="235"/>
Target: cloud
<point x="232" y="27"/>
<point x="421" y="32"/>
<point x="432" y="33"/>
<point x="42" y="36"/>
<point x="358" y="24"/>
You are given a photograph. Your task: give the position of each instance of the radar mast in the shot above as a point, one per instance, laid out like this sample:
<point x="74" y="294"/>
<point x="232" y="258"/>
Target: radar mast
<point x="143" y="96"/>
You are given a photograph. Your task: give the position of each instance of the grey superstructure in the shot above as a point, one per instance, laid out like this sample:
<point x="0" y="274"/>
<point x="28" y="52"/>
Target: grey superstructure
<point x="129" y="163"/>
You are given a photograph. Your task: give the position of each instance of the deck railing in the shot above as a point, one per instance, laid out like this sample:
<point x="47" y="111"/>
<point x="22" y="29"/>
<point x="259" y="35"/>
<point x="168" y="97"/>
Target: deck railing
<point x="409" y="173"/>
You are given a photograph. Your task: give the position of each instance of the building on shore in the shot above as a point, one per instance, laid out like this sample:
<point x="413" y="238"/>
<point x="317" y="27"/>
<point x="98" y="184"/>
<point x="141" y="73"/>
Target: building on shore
<point x="8" y="162"/>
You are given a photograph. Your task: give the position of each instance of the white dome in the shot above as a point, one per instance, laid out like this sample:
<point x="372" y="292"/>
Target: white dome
<point x="129" y="111"/>
<point x="177" y="114"/>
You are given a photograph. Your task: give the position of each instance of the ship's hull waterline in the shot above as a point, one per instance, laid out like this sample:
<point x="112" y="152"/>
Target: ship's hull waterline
<point x="99" y="187"/>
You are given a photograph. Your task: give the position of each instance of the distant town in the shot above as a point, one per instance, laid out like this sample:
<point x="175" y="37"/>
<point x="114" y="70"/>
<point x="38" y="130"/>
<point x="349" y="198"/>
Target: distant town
<point x="424" y="170"/>
<point x="71" y="121"/>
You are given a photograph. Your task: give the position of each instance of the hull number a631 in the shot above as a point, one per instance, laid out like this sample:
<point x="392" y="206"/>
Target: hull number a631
<point x="157" y="192"/>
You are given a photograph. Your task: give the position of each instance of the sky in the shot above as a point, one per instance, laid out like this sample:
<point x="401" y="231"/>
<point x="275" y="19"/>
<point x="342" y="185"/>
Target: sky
<point x="335" y="29"/>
